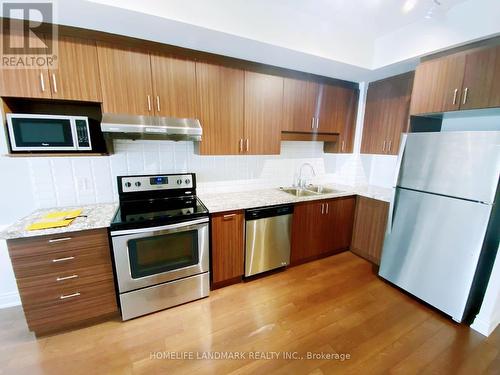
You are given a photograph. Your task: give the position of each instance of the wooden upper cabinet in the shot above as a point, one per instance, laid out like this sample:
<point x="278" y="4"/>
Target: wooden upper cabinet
<point x="174" y="86"/>
<point x="481" y="86"/>
<point x="438" y="84"/>
<point x="300" y="103"/>
<point x="346" y="118"/>
<point x="228" y="250"/>
<point x="125" y="76"/>
<point x="77" y="73"/>
<point x="24" y="83"/>
<point x="386" y="114"/>
<point x="263" y="113"/>
<point x="220" y="108"/>
<point x="370" y="223"/>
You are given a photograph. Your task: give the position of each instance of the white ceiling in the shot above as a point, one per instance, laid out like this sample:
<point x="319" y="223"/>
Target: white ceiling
<point x="355" y="40"/>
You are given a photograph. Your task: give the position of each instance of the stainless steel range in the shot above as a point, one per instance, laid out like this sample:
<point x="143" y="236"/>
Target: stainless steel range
<point x="160" y="242"/>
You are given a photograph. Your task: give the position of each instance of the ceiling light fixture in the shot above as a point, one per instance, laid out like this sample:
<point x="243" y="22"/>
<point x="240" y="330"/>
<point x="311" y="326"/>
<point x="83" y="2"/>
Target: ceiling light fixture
<point x="409" y="5"/>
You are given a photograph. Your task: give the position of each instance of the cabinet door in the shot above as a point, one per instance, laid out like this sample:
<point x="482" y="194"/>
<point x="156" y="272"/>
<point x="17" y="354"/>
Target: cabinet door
<point x="347" y="119"/>
<point x="307" y="231"/>
<point x="77" y="73"/>
<point x="263" y="113"/>
<point x="174" y="83"/>
<point x="220" y="109"/>
<point x="482" y="79"/>
<point x="227" y="246"/>
<point x="299" y="105"/>
<point x="370" y="223"/>
<point x="338" y="224"/>
<point x="438" y="84"/>
<point x="125" y="76"/>
<point x="24" y="83"/>
<point x="386" y="114"/>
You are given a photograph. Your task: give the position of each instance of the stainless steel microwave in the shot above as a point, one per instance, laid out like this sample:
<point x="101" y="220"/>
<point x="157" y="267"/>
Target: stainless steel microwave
<point x="32" y="132"/>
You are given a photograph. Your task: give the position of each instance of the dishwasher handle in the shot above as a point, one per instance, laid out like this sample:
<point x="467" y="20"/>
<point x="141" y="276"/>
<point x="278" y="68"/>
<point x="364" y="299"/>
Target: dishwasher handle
<point x="264" y="212"/>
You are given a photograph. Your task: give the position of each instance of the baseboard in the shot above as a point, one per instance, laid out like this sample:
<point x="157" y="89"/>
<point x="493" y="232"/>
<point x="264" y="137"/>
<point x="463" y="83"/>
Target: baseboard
<point x="484" y="327"/>
<point x="9" y="299"/>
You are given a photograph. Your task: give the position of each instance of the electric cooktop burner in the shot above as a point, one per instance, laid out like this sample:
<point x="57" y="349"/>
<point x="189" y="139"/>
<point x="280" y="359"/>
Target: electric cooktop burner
<point x="150" y="201"/>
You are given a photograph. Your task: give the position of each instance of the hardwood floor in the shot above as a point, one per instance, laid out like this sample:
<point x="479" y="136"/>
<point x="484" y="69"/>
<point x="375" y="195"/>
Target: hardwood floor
<point x="333" y="305"/>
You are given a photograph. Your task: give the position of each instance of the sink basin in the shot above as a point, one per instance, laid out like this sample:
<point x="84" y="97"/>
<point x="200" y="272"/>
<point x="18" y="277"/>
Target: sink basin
<point x="309" y="191"/>
<point x="322" y="190"/>
<point x="299" y="192"/>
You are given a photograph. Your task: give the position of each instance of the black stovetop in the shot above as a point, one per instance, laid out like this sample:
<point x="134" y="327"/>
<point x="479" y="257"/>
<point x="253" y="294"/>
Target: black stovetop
<point x="144" y="213"/>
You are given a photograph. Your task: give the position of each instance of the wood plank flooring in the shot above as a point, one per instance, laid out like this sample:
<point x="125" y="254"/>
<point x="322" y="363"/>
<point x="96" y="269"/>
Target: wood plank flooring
<point x="333" y="305"/>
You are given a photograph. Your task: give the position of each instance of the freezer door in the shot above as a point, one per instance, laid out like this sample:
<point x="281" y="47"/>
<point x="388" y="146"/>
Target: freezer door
<point x="456" y="164"/>
<point x="433" y="248"/>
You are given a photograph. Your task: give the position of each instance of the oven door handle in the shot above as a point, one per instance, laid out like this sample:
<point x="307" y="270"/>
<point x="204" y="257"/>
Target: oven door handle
<point x="155" y="229"/>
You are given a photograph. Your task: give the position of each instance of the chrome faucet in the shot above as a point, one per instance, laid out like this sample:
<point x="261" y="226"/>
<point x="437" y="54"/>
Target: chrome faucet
<point x="301" y="182"/>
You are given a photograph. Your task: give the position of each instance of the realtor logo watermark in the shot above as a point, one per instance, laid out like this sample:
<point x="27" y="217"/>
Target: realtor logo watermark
<point x="29" y="36"/>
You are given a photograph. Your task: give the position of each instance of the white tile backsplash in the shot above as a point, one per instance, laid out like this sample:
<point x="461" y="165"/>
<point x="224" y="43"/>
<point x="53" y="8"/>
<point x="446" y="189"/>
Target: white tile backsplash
<point x="81" y="180"/>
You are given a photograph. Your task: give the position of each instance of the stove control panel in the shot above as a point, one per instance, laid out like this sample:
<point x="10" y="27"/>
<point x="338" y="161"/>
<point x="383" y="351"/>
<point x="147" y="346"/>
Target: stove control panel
<point x="132" y="184"/>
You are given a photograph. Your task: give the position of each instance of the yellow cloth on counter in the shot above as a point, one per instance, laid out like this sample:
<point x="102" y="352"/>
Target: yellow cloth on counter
<point x="55" y="220"/>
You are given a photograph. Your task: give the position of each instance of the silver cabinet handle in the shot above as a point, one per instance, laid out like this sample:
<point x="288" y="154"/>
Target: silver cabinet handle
<point x="158" y="102"/>
<point x="229" y="217"/>
<point x="69" y="295"/>
<point x="247" y="144"/>
<point x="54" y="81"/>
<point x="317" y="122"/>
<point x="312" y="123"/>
<point x="52" y="240"/>
<point x="322" y="208"/>
<point x="62" y="259"/>
<point x="466" y="91"/>
<point x="383" y="148"/>
<point x="343" y="144"/>
<point x="455" y="96"/>
<point x="327" y="207"/>
<point x="149" y="102"/>
<point x="66" y="278"/>
<point x="241" y="145"/>
<point x="42" y="82"/>
<point x="390" y="145"/>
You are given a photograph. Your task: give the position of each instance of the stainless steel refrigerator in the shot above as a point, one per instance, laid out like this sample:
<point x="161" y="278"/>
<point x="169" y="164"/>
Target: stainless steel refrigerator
<point x="443" y="228"/>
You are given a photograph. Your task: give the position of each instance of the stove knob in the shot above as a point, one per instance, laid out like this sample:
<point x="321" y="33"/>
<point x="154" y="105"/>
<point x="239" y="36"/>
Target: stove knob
<point x="179" y="181"/>
<point x="187" y="181"/>
<point x="138" y="184"/>
<point x="128" y="184"/>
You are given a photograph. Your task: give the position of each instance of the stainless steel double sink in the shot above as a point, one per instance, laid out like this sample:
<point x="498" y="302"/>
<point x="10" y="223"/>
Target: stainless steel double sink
<point x="311" y="190"/>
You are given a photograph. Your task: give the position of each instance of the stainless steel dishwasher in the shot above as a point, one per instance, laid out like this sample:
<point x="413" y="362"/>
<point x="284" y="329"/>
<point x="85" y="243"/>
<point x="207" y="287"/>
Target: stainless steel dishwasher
<point x="267" y="244"/>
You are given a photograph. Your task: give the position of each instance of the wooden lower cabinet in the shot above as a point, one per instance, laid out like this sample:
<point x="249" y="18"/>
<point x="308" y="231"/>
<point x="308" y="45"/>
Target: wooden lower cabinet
<point x="370" y="223"/>
<point x="64" y="280"/>
<point x="228" y="248"/>
<point x="321" y="228"/>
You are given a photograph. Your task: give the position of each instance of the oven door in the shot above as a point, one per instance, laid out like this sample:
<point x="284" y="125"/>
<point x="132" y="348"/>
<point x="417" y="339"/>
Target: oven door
<point x="150" y="256"/>
<point x="29" y="132"/>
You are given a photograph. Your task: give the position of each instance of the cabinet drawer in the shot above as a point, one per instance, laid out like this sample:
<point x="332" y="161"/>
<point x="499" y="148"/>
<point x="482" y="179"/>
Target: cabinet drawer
<point x="26" y="247"/>
<point x="61" y="262"/>
<point x="44" y="287"/>
<point x="88" y="302"/>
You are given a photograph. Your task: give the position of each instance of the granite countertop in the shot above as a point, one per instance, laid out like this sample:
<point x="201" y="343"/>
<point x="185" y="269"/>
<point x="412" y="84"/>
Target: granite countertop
<point x="97" y="216"/>
<point x="220" y="202"/>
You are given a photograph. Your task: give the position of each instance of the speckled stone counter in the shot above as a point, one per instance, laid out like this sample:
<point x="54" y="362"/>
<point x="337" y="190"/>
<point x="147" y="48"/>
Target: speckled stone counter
<point x="97" y="216"/>
<point x="220" y="202"/>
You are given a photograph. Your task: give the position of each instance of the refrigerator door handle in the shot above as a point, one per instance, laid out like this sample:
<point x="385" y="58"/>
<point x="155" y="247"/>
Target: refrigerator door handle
<point x="402" y="147"/>
<point x="390" y="214"/>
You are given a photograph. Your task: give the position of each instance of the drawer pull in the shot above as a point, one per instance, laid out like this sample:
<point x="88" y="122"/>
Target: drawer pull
<point x="70" y="295"/>
<point x="62" y="259"/>
<point x="229" y="217"/>
<point x="59" y="239"/>
<point x="66" y="278"/>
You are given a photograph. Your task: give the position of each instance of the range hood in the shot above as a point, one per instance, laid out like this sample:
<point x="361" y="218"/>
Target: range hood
<point x="150" y="127"/>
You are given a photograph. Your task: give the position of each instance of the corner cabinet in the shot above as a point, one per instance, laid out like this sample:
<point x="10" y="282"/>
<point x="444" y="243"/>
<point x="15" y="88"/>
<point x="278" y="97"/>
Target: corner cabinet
<point x="386" y="114"/>
<point x="465" y="80"/>
<point x="227" y="248"/>
<point x="370" y="223"/>
<point x="321" y="228"/>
